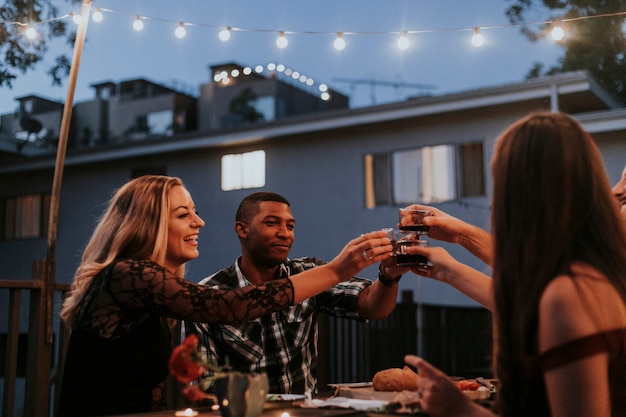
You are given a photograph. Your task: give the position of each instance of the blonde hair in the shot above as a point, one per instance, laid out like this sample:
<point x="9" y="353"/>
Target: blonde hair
<point x="134" y="225"/>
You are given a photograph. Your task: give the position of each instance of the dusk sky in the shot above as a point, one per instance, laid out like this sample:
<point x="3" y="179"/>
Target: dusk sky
<point x="440" y="56"/>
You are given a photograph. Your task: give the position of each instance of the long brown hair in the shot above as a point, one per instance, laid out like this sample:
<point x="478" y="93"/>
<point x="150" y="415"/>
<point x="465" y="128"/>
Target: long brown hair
<point x="134" y="225"/>
<point x="552" y="206"/>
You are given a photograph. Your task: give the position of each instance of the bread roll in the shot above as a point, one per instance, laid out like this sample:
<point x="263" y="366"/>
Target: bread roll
<point x="395" y="379"/>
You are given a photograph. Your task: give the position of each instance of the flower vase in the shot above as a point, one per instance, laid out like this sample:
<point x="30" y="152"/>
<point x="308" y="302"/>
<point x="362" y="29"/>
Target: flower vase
<point x="241" y="394"/>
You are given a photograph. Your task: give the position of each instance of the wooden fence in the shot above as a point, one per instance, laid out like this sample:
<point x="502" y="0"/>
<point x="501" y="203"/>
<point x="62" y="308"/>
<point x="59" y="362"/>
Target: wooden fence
<point x="32" y="349"/>
<point x="455" y="339"/>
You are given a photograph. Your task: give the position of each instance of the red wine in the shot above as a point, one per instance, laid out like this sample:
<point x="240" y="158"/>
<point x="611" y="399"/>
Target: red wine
<point x="411" y="260"/>
<point x="403" y="259"/>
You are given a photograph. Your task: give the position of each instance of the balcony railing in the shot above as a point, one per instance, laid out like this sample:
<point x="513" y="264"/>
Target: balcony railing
<point x="32" y="346"/>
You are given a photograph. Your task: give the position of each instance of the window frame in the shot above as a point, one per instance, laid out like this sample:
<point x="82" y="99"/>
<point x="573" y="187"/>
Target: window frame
<point x="469" y="180"/>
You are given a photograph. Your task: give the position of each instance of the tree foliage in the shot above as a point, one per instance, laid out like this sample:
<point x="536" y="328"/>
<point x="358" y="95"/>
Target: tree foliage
<point x="20" y="54"/>
<point x="596" y="44"/>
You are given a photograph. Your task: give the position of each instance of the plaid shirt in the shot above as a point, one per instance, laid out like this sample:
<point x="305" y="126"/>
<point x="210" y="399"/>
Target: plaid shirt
<point x="282" y="344"/>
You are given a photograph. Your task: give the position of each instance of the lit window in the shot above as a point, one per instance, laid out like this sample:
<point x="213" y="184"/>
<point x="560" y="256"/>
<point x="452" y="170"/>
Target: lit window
<point x="244" y="170"/>
<point x="427" y="175"/>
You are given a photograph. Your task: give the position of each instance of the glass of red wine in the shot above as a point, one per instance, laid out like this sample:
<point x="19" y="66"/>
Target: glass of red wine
<point x="401" y="240"/>
<point x="413" y="220"/>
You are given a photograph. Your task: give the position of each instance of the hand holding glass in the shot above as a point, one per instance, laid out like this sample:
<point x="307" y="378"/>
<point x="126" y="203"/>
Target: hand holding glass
<point x="413" y="220"/>
<point x="400" y="240"/>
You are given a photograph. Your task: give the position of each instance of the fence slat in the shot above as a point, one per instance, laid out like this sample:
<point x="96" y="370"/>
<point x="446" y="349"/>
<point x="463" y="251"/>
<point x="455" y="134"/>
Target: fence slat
<point x="10" y="363"/>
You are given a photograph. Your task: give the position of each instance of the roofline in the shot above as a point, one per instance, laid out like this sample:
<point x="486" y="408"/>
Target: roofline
<point x="543" y="87"/>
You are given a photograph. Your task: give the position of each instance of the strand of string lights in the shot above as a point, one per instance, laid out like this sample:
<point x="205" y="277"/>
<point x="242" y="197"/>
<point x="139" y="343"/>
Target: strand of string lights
<point x="224" y="34"/>
<point x="339" y="42"/>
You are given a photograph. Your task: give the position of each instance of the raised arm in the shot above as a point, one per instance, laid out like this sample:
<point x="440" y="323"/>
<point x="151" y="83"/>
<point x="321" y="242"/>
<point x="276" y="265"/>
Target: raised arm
<point x="445" y="268"/>
<point x="358" y="254"/>
<point x="450" y="229"/>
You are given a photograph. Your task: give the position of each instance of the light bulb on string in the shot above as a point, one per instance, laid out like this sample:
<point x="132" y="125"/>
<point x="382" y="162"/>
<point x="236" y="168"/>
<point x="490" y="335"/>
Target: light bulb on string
<point x="403" y="41"/>
<point x="180" y="31"/>
<point x="282" y="41"/>
<point x="557" y="32"/>
<point x="138" y="24"/>
<point x="477" y="38"/>
<point x="224" y="34"/>
<point x="30" y="32"/>
<point x="97" y="16"/>
<point x="340" y="42"/>
<point x="76" y="18"/>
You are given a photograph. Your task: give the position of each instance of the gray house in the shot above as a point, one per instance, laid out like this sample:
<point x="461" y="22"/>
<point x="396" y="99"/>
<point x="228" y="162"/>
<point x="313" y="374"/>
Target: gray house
<point x="345" y="171"/>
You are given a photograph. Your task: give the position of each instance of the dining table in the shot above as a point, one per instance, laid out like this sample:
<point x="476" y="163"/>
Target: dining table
<point x="295" y="408"/>
<point x="275" y="409"/>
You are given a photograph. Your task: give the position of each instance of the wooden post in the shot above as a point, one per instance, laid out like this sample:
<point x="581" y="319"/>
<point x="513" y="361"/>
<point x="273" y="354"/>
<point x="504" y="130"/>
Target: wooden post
<point x="37" y="401"/>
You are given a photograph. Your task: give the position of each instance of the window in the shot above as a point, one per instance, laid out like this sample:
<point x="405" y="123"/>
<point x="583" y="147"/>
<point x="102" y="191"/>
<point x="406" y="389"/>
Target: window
<point x="430" y="174"/>
<point x="24" y="216"/>
<point x="159" y="123"/>
<point x="244" y="170"/>
<point x="266" y="105"/>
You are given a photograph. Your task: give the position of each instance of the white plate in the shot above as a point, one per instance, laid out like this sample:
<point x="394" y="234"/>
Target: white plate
<point x="285" y="397"/>
<point x="352" y="384"/>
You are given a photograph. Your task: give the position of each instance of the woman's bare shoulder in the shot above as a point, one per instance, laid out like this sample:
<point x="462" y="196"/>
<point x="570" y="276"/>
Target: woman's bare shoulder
<point x="577" y="305"/>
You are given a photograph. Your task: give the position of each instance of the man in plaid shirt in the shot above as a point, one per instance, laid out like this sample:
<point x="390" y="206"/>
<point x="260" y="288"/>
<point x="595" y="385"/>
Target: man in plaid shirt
<point x="284" y="344"/>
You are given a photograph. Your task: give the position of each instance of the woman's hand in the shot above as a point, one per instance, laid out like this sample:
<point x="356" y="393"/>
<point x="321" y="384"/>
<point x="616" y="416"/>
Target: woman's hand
<point x="447" y="228"/>
<point x="442" y="225"/>
<point x="359" y="253"/>
<point x="441" y="266"/>
<point x="439" y="396"/>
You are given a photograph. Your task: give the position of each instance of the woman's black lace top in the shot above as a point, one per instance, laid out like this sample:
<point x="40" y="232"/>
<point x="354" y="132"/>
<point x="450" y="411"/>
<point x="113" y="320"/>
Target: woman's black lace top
<point x="119" y="346"/>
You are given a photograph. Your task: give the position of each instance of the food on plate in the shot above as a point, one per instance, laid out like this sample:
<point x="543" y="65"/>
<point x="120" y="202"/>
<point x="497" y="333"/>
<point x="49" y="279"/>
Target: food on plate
<point x="473" y="390"/>
<point x="395" y="379"/>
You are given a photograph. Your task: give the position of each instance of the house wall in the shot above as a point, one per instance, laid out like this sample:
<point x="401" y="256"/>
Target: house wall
<point x="320" y="173"/>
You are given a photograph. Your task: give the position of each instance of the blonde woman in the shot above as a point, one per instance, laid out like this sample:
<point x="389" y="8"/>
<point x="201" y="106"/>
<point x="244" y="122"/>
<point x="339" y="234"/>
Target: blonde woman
<point x="130" y="278"/>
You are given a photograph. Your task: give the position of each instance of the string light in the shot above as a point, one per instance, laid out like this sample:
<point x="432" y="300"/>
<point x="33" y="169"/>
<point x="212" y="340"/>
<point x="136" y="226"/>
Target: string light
<point x="224" y="34"/>
<point x="180" y="31"/>
<point x="403" y="40"/>
<point x="477" y="38"/>
<point x="76" y="18"/>
<point x="97" y="16"/>
<point x="281" y="41"/>
<point x="138" y="24"/>
<point x="340" y="43"/>
<point x="30" y="32"/>
<point x="557" y="32"/>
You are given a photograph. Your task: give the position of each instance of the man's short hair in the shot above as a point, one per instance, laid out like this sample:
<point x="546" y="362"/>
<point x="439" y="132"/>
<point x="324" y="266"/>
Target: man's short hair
<point x="249" y="206"/>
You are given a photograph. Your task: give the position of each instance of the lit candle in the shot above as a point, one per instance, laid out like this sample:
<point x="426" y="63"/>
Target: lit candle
<point x="186" y="413"/>
<point x="285" y="414"/>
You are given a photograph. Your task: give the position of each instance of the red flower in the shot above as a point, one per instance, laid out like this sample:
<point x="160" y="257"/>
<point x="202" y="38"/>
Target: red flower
<point x="183" y="362"/>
